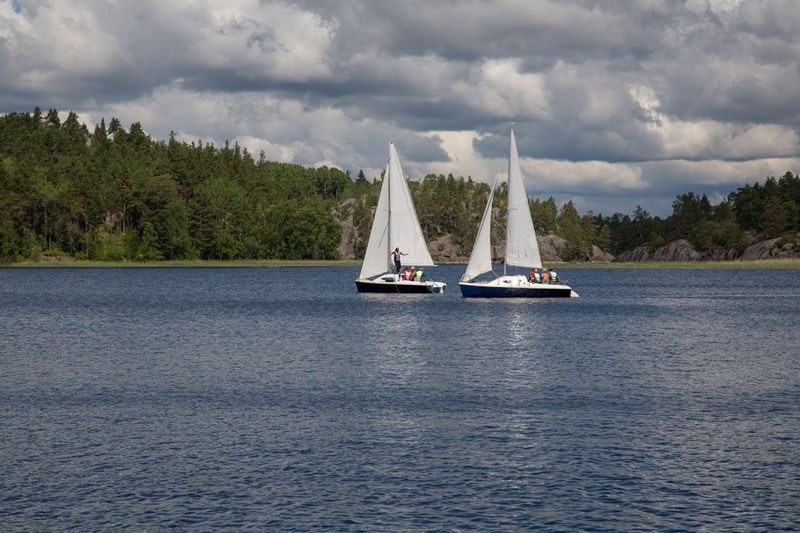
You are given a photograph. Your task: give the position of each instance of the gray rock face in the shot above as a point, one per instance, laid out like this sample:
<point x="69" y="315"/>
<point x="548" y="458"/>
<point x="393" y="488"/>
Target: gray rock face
<point x="680" y="250"/>
<point x="683" y="250"/>
<point x="599" y="256"/>
<point x="760" y="250"/>
<point x="634" y="255"/>
<point x="721" y="254"/>
<point x="550" y="248"/>
<point x="771" y="249"/>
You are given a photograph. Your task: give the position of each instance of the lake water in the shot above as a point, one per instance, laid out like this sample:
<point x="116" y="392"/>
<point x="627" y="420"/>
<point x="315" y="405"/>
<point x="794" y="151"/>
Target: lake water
<point x="280" y="399"/>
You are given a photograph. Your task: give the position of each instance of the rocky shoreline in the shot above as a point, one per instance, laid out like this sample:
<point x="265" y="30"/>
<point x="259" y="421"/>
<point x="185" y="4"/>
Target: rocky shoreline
<point x="683" y="250"/>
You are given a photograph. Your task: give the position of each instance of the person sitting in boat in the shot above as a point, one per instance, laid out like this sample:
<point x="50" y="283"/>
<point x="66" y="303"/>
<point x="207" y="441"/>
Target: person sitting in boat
<point x="408" y="274"/>
<point x="421" y="276"/>
<point x="553" y="276"/>
<point x="396" y="258"/>
<point x="545" y="276"/>
<point x="534" y="276"/>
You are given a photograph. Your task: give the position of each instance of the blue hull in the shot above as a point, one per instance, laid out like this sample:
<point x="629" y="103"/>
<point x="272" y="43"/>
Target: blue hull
<point x="478" y="291"/>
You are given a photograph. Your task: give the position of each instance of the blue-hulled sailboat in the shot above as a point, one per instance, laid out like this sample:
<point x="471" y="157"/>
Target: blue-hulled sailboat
<point x="522" y="250"/>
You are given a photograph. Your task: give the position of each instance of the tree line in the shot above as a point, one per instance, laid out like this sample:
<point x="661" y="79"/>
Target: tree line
<point x="748" y="214"/>
<point x="116" y="194"/>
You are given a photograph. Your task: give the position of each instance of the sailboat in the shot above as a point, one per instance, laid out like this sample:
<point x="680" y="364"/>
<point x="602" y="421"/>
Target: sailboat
<point x="395" y="226"/>
<point x="522" y="250"/>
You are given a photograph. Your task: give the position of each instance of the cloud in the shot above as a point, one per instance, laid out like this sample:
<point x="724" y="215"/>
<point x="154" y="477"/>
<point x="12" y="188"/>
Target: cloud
<point x="613" y="102"/>
<point x="114" y="51"/>
<point x="499" y="89"/>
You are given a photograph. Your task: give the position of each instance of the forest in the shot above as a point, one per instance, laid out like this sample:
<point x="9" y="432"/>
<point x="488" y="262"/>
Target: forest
<point x="118" y="195"/>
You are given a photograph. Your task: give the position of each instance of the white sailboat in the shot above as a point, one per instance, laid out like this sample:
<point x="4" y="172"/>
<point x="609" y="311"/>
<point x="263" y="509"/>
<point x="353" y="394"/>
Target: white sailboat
<point x="522" y="250"/>
<point x="395" y="226"/>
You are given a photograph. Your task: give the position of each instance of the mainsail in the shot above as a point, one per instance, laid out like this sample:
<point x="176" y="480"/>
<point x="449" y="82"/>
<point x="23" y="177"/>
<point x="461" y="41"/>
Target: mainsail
<point x="395" y="225"/>
<point x="521" y="247"/>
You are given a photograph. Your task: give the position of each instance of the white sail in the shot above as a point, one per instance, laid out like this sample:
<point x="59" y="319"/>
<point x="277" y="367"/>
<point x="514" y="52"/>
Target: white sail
<point x="521" y="247"/>
<point x="404" y="229"/>
<point x="376" y="258"/>
<point x="480" y="260"/>
<point x="395" y="225"/>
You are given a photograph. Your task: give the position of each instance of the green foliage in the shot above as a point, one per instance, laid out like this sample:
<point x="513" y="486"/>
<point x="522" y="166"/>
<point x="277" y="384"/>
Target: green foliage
<point x="147" y="245"/>
<point x="450" y="206"/>
<point x="603" y="238"/>
<point x="570" y="228"/>
<point x="545" y="215"/>
<point x="116" y="194"/>
<point x="111" y="247"/>
<point x="729" y="235"/>
<point x="771" y="208"/>
<point x="656" y="241"/>
<point x="749" y="213"/>
<point x="221" y="219"/>
<point x="787" y="239"/>
<point x="702" y="235"/>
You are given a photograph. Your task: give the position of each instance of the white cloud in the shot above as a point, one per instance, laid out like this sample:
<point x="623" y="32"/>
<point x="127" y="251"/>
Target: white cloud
<point x="253" y="39"/>
<point x="725" y="175"/>
<point x="464" y="160"/>
<point x="683" y="139"/>
<point x="582" y="176"/>
<point x="497" y="87"/>
<point x="62" y="40"/>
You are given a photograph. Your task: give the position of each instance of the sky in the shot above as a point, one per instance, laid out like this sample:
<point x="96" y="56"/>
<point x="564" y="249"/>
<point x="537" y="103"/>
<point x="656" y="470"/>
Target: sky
<point x="615" y="104"/>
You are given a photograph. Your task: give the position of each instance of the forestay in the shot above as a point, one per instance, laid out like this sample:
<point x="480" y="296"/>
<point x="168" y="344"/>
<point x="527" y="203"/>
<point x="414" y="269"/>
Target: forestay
<point x="395" y="225"/>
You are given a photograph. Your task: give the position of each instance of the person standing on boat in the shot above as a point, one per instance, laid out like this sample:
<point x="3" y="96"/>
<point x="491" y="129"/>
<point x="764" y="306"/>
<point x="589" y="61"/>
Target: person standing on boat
<point x="396" y="258"/>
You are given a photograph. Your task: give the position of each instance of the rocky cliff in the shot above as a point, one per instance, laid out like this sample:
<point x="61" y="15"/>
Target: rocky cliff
<point x="785" y="247"/>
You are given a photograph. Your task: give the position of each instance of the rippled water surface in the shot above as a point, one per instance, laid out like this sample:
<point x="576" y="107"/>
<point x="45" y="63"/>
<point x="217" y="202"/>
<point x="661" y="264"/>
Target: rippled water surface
<point x="280" y="399"/>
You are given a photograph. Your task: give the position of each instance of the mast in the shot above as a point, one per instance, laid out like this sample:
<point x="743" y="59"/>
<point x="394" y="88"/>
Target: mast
<point x="508" y="197"/>
<point x="389" y="205"/>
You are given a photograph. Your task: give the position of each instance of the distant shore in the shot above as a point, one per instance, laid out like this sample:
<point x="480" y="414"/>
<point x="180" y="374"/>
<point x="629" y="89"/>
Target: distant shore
<point x="277" y="263"/>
